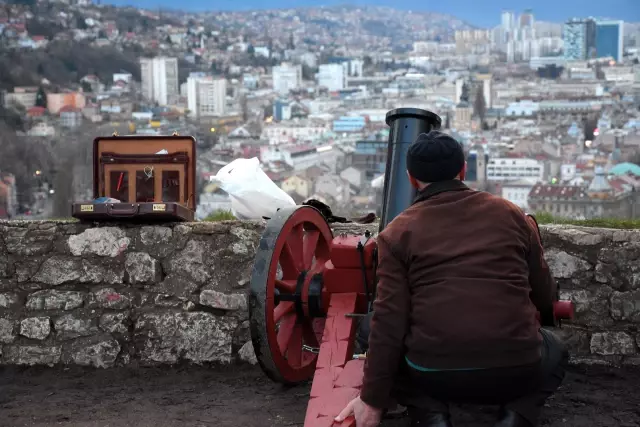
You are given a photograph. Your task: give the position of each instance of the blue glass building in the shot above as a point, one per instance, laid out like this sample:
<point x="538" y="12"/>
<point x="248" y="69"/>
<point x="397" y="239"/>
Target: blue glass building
<point x="609" y="39"/>
<point x="349" y="124"/>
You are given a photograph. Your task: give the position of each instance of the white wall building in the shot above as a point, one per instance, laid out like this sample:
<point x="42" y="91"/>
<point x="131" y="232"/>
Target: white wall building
<point x="503" y="169"/>
<point x="287" y="77"/>
<point x="206" y="96"/>
<point x="517" y="192"/>
<point x="300" y="157"/>
<point x="332" y="76"/>
<point x="354" y="67"/>
<point x="282" y="134"/>
<point x="159" y="79"/>
<point x="568" y="171"/>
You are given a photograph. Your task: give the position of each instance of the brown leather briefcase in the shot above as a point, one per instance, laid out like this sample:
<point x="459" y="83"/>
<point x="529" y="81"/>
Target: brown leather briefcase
<point x="153" y="177"/>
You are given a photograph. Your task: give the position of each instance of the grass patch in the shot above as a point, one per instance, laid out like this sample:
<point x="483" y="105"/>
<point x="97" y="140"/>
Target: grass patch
<point x="220" y="216"/>
<point x="546" y="218"/>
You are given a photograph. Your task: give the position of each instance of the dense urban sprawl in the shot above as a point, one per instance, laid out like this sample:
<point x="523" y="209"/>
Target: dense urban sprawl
<point x="548" y="112"/>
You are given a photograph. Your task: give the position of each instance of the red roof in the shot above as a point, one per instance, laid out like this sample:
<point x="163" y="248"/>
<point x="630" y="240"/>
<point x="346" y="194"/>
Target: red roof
<point x="557" y="191"/>
<point x="36" y="111"/>
<point x="618" y="185"/>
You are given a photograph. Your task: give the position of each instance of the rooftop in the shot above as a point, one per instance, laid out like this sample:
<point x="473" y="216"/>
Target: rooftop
<point x="625" y="168"/>
<point x="558" y="191"/>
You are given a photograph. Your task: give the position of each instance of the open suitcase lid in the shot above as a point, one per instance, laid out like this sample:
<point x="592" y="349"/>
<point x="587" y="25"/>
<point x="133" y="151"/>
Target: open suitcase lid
<point x="141" y="145"/>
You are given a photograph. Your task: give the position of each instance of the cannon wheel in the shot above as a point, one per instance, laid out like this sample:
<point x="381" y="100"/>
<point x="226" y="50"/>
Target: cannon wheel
<point x="293" y="249"/>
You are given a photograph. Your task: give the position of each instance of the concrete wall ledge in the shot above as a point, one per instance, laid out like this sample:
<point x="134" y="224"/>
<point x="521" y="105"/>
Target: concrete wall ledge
<point x="122" y="294"/>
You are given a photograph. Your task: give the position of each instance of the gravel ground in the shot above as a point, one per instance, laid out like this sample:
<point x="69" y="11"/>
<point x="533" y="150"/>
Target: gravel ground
<point x="242" y="396"/>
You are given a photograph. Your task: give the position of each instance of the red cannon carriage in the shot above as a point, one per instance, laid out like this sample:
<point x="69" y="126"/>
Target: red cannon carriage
<point x="309" y="288"/>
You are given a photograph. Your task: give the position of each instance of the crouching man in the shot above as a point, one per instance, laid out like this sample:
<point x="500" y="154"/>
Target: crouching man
<point x="461" y="278"/>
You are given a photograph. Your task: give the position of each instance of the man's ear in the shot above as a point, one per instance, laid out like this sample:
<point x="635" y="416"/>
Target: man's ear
<point x="463" y="171"/>
<point x="413" y="181"/>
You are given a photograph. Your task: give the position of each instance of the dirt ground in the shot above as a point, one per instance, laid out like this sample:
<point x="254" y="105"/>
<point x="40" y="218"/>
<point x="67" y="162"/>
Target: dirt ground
<point x="244" y="397"/>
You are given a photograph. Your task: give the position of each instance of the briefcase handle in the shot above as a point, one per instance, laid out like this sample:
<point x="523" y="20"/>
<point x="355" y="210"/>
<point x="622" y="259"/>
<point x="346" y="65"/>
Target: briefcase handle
<point x="123" y="211"/>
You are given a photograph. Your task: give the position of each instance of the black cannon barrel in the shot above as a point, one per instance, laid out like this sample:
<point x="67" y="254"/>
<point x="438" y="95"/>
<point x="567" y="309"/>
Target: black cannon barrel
<point x="406" y="124"/>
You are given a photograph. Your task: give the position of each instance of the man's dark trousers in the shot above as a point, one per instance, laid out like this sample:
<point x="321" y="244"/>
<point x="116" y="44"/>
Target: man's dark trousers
<point x="522" y="389"/>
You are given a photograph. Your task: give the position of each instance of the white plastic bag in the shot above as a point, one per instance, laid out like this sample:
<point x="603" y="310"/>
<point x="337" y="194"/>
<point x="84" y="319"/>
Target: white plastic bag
<point x="253" y="194"/>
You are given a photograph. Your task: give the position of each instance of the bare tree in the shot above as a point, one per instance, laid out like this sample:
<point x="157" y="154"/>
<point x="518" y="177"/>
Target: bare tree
<point x="24" y="157"/>
<point x="73" y="179"/>
<point x="480" y="105"/>
<point x="244" y="105"/>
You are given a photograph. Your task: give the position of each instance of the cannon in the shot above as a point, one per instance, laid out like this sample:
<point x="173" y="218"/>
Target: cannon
<point x="309" y="288"/>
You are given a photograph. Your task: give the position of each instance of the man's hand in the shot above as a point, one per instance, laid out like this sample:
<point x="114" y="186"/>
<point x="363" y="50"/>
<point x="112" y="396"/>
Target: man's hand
<point x="365" y="415"/>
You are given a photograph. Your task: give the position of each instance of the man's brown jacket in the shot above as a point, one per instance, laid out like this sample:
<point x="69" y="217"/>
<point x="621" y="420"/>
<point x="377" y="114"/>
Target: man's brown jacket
<point x="461" y="276"/>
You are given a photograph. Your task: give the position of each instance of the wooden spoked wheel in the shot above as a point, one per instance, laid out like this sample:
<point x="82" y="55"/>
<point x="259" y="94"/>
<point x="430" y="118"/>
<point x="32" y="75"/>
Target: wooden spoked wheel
<point x="286" y="284"/>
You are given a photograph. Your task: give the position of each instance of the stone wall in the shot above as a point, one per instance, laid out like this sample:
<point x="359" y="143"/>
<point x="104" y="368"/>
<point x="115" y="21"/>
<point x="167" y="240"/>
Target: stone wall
<point x="125" y="294"/>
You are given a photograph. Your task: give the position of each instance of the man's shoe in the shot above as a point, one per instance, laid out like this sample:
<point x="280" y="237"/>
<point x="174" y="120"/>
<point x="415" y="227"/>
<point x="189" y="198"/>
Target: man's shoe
<point x="431" y="419"/>
<point x="510" y="418"/>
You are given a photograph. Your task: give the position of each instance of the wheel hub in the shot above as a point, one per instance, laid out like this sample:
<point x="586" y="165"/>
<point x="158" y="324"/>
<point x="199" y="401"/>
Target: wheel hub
<point x="311" y="286"/>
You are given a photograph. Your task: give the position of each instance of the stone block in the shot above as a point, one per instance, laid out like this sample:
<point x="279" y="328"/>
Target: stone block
<point x="618" y="266"/>
<point x="157" y="241"/>
<point x="115" y="322"/>
<point x="247" y="354"/>
<point x="26" y="268"/>
<point x="222" y="301"/>
<point x="104" y="242"/>
<point x="7" y="331"/>
<point x="626" y="306"/>
<point x="108" y="272"/>
<point x="54" y="300"/>
<point x="99" y="351"/>
<point x="591" y="306"/>
<point x="30" y="241"/>
<point x="9" y="300"/>
<point x="71" y="326"/>
<point x="176" y="285"/>
<point x="564" y="265"/>
<point x="189" y="262"/>
<point x="32" y="355"/>
<point x="577" y="236"/>
<point x="37" y="328"/>
<point x="58" y="270"/>
<point x="142" y="268"/>
<point x="110" y="298"/>
<point x="612" y="343"/>
<point x="165" y="300"/>
<point x="195" y="337"/>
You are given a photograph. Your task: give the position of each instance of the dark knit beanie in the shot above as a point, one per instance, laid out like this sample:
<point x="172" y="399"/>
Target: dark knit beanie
<point x="435" y="156"/>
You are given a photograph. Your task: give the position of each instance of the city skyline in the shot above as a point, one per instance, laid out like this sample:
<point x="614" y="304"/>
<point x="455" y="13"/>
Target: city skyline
<point x="487" y="16"/>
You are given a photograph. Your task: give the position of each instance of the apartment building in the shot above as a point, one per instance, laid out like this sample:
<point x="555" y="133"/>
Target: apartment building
<point x="287" y="77"/>
<point x="332" y="76"/>
<point x="206" y="96"/>
<point x="503" y="169"/>
<point x="159" y="79"/>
